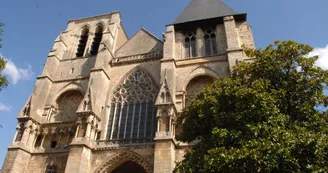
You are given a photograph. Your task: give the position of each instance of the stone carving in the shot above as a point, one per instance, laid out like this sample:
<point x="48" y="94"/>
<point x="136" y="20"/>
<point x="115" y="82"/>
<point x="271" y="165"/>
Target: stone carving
<point x="164" y="96"/>
<point x="87" y="102"/>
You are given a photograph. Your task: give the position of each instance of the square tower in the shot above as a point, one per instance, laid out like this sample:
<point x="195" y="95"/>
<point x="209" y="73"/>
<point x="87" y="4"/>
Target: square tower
<point x="108" y="103"/>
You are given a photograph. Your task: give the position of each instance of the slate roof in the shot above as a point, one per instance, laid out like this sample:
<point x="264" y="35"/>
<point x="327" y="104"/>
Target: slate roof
<point x="204" y="9"/>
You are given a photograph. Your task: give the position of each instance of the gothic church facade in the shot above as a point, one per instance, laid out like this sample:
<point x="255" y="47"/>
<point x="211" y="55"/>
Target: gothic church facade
<point x="108" y="103"/>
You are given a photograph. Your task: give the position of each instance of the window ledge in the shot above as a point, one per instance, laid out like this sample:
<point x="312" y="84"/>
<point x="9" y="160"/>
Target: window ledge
<point x="197" y="60"/>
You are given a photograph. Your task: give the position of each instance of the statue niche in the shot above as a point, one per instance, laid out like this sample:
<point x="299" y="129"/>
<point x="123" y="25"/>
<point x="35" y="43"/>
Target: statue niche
<point x="66" y="106"/>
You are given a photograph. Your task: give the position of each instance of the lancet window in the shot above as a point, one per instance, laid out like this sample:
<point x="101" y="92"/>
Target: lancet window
<point x="82" y="42"/>
<point x="210" y="42"/>
<point x="132" y="116"/>
<point x="190" y="44"/>
<point x="96" y="40"/>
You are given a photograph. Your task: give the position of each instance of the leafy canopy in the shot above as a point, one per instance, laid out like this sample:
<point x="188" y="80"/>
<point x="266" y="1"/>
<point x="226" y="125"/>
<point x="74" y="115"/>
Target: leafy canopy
<point x="264" y="118"/>
<point x="3" y="79"/>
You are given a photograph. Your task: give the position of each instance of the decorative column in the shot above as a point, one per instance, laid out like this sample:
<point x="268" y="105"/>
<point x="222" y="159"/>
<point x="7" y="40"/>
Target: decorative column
<point x="33" y="131"/>
<point x="78" y="127"/>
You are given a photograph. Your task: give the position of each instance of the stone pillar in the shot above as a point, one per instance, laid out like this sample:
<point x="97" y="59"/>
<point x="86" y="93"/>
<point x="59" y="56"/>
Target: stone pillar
<point x="234" y="51"/>
<point x="79" y="159"/>
<point x="164" y="156"/>
<point x="221" y="39"/>
<point x="32" y="138"/>
<point x="78" y="127"/>
<point x="16" y="161"/>
<point x="18" y="156"/>
<point x="200" y="42"/>
<point x="88" y="131"/>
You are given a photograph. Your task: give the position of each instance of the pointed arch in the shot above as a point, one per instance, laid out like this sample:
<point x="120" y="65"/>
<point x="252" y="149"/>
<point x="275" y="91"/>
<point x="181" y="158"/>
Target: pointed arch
<point x="199" y="71"/>
<point x="66" y="103"/>
<point x="68" y="87"/>
<point x="84" y="35"/>
<point x="98" y="34"/>
<point x="132" y="115"/>
<point x="122" y="157"/>
<point x="138" y="76"/>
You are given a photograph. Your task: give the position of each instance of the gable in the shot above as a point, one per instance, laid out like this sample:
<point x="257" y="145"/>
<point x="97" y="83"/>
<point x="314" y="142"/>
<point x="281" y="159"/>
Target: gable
<point x="142" y="42"/>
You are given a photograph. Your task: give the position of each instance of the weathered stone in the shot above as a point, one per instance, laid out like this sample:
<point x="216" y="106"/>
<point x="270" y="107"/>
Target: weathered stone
<point x="89" y="114"/>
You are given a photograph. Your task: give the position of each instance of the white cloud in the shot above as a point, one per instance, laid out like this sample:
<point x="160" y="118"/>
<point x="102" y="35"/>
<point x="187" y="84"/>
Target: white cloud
<point x="15" y="73"/>
<point x="323" y="57"/>
<point x="4" y="107"/>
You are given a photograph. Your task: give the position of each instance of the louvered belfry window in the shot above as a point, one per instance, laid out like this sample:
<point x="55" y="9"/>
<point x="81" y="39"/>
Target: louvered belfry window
<point x="82" y="43"/>
<point x="132" y="117"/>
<point x="96" y="40"/>
<point x="210" y="42"/>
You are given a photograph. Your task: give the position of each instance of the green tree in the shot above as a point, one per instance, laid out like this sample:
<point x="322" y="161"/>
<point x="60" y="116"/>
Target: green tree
<point x="264" y="118"/>
<point x="3" y="79"/>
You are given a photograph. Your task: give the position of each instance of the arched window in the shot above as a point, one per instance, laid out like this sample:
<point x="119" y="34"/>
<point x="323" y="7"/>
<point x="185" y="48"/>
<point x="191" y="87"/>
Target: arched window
<point x="190" y="44"/>
<point x="82" y="43"/>
<point x="96" y="40"/>
<point x="210" y="42"/>
<point x="132" y="116"/>
<point x="38" y="141"/>
<point x="195" y="86"/>
<point x="67" y="105"/>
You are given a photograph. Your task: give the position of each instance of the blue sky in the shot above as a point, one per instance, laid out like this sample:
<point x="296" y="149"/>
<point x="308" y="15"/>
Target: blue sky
<point x="32" y="26"/>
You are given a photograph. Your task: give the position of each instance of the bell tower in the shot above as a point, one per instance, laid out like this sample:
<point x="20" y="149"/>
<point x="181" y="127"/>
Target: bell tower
<point x="203" y="44"/>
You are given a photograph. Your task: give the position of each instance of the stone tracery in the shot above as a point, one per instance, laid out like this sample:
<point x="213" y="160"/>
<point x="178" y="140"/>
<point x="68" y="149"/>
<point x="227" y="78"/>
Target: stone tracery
<point x="136" y="87"/>
<point x="132" y="114"/>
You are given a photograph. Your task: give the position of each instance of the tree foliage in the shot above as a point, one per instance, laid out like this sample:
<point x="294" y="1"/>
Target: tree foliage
<point x="3" y="79"/>
<point x="264" y="118"/>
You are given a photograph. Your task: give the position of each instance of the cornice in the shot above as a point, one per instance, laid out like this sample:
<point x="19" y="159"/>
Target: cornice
<point x="201" y="60"/>
<point x="127" y="146"/>
<point x="133" y="59"/>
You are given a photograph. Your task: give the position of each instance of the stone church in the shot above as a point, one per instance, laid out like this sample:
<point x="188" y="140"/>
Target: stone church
<point x="107" y="103"/>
